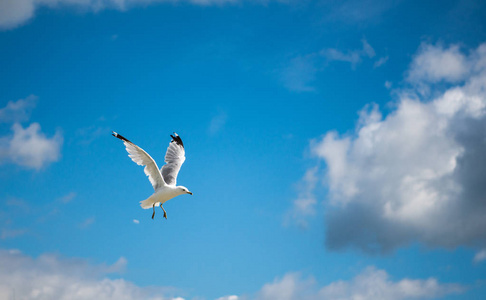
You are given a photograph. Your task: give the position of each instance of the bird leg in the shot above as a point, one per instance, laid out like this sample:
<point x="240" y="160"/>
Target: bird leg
<point x="165" y="214"/>
<point x="153" y="206"/>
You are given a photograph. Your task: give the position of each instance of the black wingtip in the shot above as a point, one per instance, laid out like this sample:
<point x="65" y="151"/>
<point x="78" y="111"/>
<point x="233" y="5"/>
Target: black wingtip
<point x="120" y="137"/>
<point x="177" y="139"/>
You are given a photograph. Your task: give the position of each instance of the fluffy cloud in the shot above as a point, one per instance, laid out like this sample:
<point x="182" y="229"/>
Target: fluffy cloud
<point x="17" y="12"/>
<point x="434" y="64"/>
<point x="52" y="277"/>
<point x="28" y="147"/>
<point x="291" y="286"/>
<point x="419" y="173"/>
<point x="370" y="284"/>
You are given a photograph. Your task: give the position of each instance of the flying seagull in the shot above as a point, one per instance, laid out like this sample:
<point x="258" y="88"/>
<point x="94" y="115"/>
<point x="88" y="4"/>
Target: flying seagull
<point x="163" y="180"/>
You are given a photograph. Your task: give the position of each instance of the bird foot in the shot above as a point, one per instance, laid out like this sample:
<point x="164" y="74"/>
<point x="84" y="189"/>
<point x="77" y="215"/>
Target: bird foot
<point x="153" y="215"/>
<point x="165" y="215"/>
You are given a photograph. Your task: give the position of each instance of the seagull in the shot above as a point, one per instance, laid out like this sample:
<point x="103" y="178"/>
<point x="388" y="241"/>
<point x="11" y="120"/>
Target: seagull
<point x="163" y="180"/>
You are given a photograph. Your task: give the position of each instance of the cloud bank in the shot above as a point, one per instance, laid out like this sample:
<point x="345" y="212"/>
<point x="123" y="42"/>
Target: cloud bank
<point x="419" y="173"/>
<point x="29" y="146"/>
<point x="370" y="284"/>
<point x="52" y="277"/>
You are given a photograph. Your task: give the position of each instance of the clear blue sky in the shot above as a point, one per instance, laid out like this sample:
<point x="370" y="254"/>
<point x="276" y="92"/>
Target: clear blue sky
<point x="334" y="149"/>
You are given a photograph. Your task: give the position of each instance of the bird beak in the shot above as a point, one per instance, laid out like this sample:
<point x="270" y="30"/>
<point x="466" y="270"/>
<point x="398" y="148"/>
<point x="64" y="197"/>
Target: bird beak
<point x="189" y="193"/>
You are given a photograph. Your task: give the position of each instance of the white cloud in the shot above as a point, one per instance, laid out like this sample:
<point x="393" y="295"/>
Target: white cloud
<point x="375" y="284"/>
<point x="53" y="277"/>
<point x="28" y="147"/>
<point x="231" y="297"/>
<point x="14" y="13"/>
<point x="18" y="111"/>
<point x="135" y="221"/>
<point x="370" y="284"/>
<point x="417" y="174"/>
<point x="433" y="63"/>
<point x="289" y="287"/>
<point x="480" y="256"/>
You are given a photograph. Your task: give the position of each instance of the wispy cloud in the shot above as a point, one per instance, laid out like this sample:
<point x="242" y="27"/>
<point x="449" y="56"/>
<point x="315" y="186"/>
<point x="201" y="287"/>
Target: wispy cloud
<point x="53" y="277"/>
<point x="480" y="256"/>
<point x="87" y="135"/>
<point x="18" y="111"/>
<point x="413" y="175"/>
<point x="87" y="223"/>
<point x="217" y="123"/>
<point x="67" y="198"/>
<point x="305" y="205"/>
<point x="9" y="209"/>
<point x="14" y="13"/>
<point x="380" y="62"/>
<point x="358" y="11"/>
<point x="354" y="57"/>
<point x="300" y="72"/>
<point x="7" y="233"/>
<point x="17" y="203"/>
<point x="28" y="147"/>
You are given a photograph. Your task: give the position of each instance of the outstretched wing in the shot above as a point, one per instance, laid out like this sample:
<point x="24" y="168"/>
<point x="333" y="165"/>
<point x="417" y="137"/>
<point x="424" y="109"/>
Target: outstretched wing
<point x="174" y="158"/>
<point x="141" y="158"/>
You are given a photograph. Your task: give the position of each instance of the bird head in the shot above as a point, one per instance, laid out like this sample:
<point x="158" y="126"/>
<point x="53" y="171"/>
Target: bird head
<point x="184" y="190"/>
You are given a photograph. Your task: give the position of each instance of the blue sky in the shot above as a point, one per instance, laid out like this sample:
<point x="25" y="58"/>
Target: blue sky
<point x="335" y="149"/>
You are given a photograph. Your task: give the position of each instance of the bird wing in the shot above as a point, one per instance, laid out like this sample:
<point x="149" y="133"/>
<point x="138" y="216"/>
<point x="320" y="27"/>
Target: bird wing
<point x="174" y="158"/>
<point x="141" y="158"/>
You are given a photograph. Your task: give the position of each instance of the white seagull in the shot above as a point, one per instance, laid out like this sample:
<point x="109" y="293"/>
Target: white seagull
<point x="163" y="180"/>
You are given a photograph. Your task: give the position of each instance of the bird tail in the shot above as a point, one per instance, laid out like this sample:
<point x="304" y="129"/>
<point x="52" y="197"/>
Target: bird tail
<point x="148" y="203"/>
